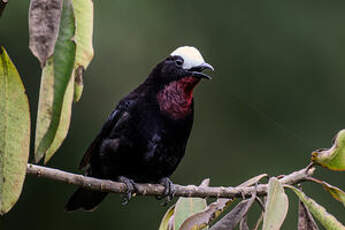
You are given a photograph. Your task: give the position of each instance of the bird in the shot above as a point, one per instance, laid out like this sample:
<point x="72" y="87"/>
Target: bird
<point x="145" y="136"/>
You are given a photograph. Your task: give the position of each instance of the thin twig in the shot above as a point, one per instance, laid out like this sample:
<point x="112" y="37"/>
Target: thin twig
<point x="156" y="189"/>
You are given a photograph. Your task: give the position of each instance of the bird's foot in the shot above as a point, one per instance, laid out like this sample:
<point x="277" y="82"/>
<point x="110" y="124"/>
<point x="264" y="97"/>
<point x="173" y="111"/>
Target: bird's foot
<point x="169" y="190"/>
<point x="131" y="188"/>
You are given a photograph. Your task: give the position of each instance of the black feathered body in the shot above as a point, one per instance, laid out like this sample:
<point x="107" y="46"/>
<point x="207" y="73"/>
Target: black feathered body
<point x="145" y="137"/>
<point x="139" y="141"/>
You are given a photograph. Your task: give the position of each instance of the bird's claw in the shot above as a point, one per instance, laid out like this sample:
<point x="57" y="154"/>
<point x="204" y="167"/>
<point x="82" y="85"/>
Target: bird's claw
<point x="131" y="188"/>
<point x="169" y="190"/>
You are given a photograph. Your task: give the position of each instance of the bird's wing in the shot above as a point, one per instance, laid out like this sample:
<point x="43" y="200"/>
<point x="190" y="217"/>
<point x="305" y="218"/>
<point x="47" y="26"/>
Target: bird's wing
<point x="115" y="119"/>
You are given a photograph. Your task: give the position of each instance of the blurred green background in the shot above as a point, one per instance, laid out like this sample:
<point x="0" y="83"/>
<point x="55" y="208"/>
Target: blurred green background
<point x="278" y="93"/>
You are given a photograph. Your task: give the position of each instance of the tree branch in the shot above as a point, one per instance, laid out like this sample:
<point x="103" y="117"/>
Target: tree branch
<point x="156" y="189"/>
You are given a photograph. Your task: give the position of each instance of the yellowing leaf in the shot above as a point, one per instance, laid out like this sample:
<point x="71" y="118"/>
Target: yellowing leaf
<point x="333" y="158"/>
<point x="276" y="206"/>
<point x="186" y="207"/>
<point x="233" y="218"/>
<point x="167" y="220"/>
<point x="83" y="10"/>
<point x="320" y="213"/>
<point x="337" y="193"/>
<point x="56" y="76"/>
<point x="14" y="133"/>
<point x="201" y="219"/>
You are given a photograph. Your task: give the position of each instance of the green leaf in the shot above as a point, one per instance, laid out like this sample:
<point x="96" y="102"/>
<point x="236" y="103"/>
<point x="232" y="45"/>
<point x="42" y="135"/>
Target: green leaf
<point x="14" y="133"/>
<point x="334" y="157"/>
<point x="83" y="10"/>
<point x="44" y="21"/>
<point x="167" y="220"/>
<point x="305" y="219"/>
<point x="233" y="218"/>
<point x="186" y="207"/>
<point x="320" y="213"/>
<point x="276" y="206"/>
<point x="337" y="193"/>
<point x="56" y="76"/>
<point x="65" y="120"/>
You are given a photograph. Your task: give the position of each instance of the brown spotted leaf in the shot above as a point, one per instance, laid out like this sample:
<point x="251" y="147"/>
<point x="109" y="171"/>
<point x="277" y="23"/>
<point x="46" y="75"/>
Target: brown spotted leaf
<point x="305" y="219"/>
<point x="44" y="22"/>
<point x="52" y="124"/>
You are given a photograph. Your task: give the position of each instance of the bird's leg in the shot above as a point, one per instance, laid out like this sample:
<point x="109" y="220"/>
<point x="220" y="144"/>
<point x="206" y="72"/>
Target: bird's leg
<point x="131" y="188"/>
<point x="169" y="190"/>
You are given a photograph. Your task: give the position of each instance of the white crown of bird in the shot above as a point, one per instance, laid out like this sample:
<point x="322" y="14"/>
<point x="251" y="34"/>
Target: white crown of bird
<point x="191" y="56"/>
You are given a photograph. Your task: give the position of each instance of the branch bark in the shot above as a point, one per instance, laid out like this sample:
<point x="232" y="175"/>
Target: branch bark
<point x="156" y="189"/>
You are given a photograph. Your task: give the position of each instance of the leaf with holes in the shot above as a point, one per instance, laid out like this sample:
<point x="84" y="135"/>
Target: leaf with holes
<point x="14" y="133"/>
<point x="56" y="76"/>
<point x="83" y="10"/>
<point x="334" y="157"/>
<point x="276" y="206"/>
<point x="319" y="212"/>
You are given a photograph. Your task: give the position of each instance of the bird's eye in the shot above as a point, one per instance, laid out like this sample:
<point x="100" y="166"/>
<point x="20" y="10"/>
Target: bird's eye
<point x="179" y="62"/>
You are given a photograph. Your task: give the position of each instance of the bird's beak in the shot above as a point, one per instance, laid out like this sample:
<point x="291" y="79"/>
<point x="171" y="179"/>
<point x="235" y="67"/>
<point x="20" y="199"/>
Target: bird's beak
<point x="197" y="71"/>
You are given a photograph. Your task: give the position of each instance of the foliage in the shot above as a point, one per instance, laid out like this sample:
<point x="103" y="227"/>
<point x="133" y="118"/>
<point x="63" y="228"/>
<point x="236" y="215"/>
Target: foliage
<point x="14" y="133"/>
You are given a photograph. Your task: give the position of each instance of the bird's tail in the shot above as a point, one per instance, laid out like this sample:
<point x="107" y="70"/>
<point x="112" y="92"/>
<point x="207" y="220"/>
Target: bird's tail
<point x="84" y="199"/>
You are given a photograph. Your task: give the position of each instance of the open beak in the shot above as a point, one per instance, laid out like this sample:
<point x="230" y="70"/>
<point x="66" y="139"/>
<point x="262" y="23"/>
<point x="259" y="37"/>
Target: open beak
<point x="197" y="71"/>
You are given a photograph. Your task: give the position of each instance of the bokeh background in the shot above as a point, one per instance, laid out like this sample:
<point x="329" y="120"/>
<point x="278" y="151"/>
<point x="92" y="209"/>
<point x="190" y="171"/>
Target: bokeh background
<point x="278" y="93"/>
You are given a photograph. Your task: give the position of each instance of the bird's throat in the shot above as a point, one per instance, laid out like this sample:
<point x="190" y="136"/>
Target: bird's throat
<point x="175" y="99"/>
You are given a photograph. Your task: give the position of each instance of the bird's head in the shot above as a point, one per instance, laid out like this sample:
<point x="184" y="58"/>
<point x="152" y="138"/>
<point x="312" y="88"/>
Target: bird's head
<point x="176" y="77"/>
<point x="183" y="64"/>
<point x="182" y="67"/>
